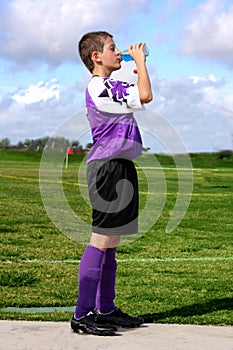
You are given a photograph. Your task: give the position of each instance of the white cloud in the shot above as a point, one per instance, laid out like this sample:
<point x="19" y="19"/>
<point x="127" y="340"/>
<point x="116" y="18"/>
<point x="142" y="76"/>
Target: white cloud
<point x="193" y="106"/>
<point x="48" y="31"/>
<point x="209" y="34"/>
<point x="37" y="110"/>
<point x="42" y="91"/>
<point x="196" y="79"/>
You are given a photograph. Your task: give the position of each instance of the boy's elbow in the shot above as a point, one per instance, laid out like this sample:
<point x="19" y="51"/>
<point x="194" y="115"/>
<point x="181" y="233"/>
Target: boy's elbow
<point x="146" y="97"/>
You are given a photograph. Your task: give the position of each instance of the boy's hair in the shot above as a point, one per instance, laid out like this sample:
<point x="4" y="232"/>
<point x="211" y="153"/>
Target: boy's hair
<point x="92" y="41"/>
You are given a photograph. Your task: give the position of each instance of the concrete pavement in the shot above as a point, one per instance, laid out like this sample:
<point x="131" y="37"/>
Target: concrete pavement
<point x="33" y="335"/>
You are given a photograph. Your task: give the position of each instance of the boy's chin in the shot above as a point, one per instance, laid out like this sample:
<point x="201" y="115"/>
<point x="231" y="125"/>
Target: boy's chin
<point x="117" y="68"/>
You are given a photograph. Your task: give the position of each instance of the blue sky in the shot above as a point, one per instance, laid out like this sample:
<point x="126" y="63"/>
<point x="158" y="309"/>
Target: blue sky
<point x="190" y="64"/>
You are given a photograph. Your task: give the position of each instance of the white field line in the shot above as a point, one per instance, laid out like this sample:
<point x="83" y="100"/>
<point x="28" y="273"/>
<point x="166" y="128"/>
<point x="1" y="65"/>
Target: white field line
<point x="136" y="260"/>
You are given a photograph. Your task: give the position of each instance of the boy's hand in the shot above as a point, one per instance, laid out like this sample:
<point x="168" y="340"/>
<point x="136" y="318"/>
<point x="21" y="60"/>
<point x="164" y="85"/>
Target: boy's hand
<point x="144" y="86"/>
<point x="136" y="51"/>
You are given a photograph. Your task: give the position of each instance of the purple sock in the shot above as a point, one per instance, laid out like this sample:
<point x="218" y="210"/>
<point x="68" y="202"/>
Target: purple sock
<point x="106" y="288"/>
<point x="89" y="277"/>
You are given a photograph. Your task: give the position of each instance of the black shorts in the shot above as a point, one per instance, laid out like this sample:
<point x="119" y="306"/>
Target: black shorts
<point x="113" y="192"/>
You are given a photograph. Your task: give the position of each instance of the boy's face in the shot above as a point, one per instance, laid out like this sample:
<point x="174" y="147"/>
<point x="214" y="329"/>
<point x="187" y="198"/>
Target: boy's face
<point x="111" y="56"/>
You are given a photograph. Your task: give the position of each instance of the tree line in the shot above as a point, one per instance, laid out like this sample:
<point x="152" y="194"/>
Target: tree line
<point x="58" y="143"/>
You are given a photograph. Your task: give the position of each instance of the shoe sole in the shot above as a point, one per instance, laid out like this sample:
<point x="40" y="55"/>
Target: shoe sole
<point x="83" y="329"/>
<point x="121" y="325"/>
<point x="124" y="327"/>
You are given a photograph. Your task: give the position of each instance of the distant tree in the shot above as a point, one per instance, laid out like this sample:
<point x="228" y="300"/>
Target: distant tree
<point x="27" y="143"/>
<point x="34" y="144"/>
<point x="39" y="144"/>
<point x="58" y="143"/>
<point x="89" y="145"/>
<point x="20" y="145"/>
<point x="5" y="143"/>
<point x="225" y="154"/>
<point x="77" y="147"/>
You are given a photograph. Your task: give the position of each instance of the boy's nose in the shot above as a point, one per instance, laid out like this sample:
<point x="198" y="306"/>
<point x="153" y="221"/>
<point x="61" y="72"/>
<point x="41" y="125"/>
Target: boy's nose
<point x="117" y="51"/>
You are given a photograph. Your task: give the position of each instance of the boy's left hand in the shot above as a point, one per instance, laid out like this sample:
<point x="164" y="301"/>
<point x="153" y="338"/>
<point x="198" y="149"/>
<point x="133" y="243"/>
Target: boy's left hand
<point x="136" y="51"/>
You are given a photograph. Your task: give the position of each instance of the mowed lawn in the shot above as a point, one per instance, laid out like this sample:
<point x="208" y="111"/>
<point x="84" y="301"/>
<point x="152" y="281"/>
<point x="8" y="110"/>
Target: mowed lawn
<point x="180" y="277"/>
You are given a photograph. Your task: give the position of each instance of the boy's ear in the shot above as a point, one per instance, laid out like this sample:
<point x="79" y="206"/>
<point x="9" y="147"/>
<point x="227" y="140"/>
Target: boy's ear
<point x="96" y="56"/>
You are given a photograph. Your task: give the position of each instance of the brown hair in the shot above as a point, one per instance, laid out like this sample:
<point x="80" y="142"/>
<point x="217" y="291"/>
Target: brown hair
<point x="92" y="41"/>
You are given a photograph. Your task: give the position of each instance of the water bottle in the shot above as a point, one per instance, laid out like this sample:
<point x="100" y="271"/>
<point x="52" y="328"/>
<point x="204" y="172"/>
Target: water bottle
<point x="125" y="56"/>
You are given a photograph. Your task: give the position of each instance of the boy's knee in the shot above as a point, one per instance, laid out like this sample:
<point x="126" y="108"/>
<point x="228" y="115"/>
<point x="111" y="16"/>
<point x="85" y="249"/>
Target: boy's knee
<point x="103" y="242"/>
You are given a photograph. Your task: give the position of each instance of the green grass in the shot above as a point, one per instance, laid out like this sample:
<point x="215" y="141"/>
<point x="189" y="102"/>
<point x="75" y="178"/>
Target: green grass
<point x="188" y="280"/>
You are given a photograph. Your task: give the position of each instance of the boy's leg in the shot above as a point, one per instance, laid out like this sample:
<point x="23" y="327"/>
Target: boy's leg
<point x="106" y="288"/>
<point x="108" y="313"/>
<point x="89" y="276"/>
<point x="85" y="318"/>
<point x="90" y="272"/>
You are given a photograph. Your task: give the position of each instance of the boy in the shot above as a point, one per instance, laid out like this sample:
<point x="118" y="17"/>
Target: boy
<point x="112" y="179"/>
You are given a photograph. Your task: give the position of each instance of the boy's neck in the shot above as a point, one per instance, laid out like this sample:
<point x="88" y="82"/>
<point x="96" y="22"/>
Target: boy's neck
<point x="101" y="71"/>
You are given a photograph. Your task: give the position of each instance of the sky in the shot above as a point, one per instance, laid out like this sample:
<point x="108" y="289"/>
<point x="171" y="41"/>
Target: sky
<point x="42" y="80"/>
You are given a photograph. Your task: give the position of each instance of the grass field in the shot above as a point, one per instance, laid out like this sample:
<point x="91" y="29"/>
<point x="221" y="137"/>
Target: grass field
<point x="181" y="277"/>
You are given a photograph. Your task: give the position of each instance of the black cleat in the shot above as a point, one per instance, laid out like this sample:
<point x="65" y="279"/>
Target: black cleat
<point x="91" y="324"/>
<point x="120" y="319"/>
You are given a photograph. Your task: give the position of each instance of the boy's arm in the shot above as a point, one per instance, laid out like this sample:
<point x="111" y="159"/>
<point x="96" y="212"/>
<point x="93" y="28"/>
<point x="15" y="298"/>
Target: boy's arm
<point x="144" y="86"/>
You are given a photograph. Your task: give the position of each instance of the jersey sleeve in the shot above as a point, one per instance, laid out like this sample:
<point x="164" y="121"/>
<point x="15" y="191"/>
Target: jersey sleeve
<point x="122" y="92"/>
<point x="114" y="95"/>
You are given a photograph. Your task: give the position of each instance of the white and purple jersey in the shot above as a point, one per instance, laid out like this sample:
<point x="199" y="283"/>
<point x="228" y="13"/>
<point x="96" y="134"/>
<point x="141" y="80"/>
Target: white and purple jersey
<point x="110" y="106"/>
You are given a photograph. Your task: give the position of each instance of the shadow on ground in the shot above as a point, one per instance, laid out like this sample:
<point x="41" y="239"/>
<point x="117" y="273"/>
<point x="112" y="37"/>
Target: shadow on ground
<point x="197" y="309"/>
